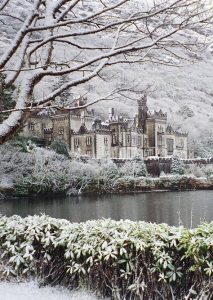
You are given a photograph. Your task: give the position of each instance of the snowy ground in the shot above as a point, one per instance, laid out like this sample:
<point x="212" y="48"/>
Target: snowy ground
<point x="30" y="291"/>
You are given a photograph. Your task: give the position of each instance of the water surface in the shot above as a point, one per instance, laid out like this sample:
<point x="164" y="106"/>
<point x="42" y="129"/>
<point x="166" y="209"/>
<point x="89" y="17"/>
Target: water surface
<point x="174" y="208"/>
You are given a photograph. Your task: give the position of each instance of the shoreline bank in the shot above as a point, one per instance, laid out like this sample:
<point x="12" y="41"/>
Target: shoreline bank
<point x="121" y="186"/>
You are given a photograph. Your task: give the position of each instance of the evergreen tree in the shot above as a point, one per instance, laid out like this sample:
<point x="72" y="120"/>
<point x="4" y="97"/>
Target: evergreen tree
<point x="66" y="96"/>
<point x="60" y="147"/>
<point x="177" y="166"/>
<point x="6" y="99"/>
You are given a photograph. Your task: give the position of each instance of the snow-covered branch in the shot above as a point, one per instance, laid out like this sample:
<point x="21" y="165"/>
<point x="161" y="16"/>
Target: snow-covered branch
<point x="80" y="39"/>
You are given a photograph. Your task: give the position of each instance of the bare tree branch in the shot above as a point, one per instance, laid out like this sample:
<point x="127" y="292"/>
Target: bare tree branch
<point x="67" y="37"/>
<point x="3" y="5"/>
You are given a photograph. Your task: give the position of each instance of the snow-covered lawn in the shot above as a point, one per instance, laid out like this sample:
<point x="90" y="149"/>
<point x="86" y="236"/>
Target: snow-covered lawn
<point x="31" y="291"/>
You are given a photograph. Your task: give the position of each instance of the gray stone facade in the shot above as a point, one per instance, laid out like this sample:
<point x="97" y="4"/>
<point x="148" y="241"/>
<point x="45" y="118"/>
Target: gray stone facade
<point x="146" y="134"/>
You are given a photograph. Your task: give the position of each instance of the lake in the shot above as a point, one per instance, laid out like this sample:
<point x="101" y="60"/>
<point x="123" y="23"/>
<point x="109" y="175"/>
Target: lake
<point x="187" y="208"/>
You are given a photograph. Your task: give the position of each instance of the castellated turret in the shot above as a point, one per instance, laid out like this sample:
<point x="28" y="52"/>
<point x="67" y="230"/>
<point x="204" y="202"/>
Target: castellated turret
<point x="111" y="113"/>
<point x="142" y="112"/>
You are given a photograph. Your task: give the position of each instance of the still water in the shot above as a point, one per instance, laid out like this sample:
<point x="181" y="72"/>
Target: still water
<point x="174" y="208"/>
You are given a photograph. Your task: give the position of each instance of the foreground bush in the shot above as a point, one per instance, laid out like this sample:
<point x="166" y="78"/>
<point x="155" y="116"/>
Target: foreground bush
<point x="122" y="260"/>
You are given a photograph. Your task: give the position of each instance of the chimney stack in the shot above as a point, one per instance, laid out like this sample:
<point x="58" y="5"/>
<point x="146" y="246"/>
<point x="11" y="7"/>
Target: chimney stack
<point x="82" y="118"/>
<point x="111" y="113"/>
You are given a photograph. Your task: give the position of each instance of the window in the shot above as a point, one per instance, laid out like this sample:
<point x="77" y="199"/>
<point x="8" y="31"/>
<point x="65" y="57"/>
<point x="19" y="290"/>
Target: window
<point x="31" y="126"/>
<point x="128" y="138"/>
<point x="60" y="130"/>
<point x="105" y="141"/>
<point x="160" y="140"/>
<point x="133" y="140"/>
<point x="114" y="139"/>
<point x="88" y="152"/>
<point x="145" y="142"/>
<point x="88" y="140"/>
<point x="139" y="141"/>
<point x="160" y="128"/>
<point x="76" y="142"/>
<point x="170" y="146"/>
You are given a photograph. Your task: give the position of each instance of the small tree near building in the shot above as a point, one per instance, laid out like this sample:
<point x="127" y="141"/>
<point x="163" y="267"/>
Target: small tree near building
<point x="6" y="97"/>
<point x="108" y="173"/>
<point x="60" y="147"/>
<point x="177" y="166"/>
<point x="134" y="168"/>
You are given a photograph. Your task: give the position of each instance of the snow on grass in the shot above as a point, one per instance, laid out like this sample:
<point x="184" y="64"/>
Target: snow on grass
<point x="30" y="290"/>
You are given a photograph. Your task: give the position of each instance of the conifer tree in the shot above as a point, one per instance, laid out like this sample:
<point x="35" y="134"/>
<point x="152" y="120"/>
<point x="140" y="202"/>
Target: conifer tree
<point x="60" y="147"/>
<point x="6" y="99"/>
<point x="177" y="166"/>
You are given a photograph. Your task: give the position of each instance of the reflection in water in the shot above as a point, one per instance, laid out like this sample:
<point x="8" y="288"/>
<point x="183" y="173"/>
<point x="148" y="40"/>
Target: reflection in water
<point x="173" y="208"/>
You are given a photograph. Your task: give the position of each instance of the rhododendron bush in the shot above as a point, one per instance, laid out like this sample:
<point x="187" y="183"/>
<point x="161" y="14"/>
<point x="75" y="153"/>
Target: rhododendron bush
<point x="119" y="259"/>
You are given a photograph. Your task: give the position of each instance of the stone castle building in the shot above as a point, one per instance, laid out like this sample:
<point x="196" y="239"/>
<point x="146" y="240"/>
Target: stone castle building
<point x="146" y="134"/>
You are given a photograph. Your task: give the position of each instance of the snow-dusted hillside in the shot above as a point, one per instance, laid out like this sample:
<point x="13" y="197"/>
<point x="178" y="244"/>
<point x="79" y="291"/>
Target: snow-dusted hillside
<point x="185" y="92"/>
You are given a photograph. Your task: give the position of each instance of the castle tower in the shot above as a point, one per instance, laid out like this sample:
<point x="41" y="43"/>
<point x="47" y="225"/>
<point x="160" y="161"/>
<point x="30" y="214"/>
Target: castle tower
<point x="111" y="113"/>
<point x="142" y="113"/>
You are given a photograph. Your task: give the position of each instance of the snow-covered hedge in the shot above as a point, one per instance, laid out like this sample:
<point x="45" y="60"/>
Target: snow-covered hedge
<point x="42" y="171"/>
<point x="136" y="260"/>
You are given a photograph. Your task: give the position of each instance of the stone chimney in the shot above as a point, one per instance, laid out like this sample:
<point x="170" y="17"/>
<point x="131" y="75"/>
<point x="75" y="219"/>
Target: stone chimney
<point x="111" y="113"/>
<point x="82" y="118"/>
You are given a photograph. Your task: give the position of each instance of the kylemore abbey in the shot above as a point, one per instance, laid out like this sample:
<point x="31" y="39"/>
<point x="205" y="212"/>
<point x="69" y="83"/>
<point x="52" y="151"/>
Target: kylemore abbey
<point x="146" y="134"/>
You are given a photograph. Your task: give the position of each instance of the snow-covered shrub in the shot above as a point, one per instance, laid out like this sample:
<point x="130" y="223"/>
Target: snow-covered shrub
<point x="49" y="173"/>
<point x="81" y="176"/>
<point x="195" y="170"/>
<point x="208" y="170"/>
<point x="14" y="163"/>
<point x="60" y="147"/>
<point x="26" y="144"/>
<point x="134" y="168"/>
<point x="117" y="259"/>
<point x="163" y="174"/>
<point x="108" y="173"/>
<point x="54" y="173"/>
<point x="200" y="170"/>
<point x="177" y="166"/>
